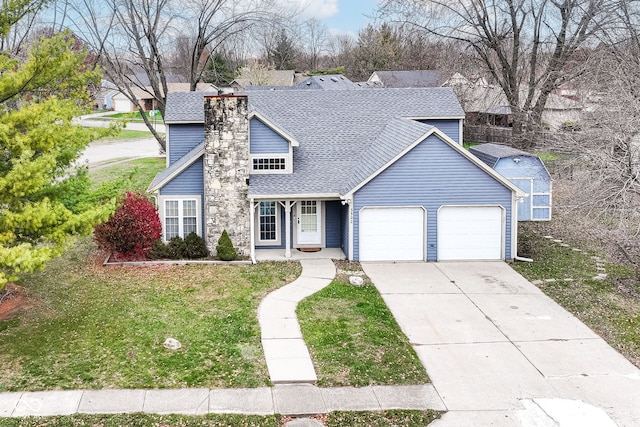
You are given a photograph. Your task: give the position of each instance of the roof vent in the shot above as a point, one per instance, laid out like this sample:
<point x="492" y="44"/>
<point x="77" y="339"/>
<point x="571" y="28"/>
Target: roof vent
<point x="333" y="79"/>
<point x="321" y="79"/>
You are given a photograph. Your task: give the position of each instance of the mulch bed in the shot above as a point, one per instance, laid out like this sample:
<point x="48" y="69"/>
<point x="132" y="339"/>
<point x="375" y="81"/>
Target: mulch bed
<point x="13" y="301"/>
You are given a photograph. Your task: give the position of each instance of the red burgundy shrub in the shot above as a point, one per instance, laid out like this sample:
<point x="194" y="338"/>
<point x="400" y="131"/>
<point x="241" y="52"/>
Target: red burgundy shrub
<point x="132" y="229"/>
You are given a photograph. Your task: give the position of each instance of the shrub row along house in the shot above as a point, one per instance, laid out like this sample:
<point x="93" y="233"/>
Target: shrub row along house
<point x="380" y="174"/>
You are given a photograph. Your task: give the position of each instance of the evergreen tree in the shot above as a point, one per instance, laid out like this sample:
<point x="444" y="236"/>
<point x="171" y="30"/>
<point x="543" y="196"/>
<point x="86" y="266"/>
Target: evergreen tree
<point x="40" y="93"/>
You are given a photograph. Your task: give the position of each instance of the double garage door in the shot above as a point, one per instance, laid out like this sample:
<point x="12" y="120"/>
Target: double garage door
<point x="400" y="233"/>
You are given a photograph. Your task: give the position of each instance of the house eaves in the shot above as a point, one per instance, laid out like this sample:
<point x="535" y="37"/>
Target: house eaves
<point x="165" y="176"/>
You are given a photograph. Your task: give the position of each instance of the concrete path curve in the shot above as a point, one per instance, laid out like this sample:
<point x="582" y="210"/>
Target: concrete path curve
<point x="285" y="351"/>
<point x="499" y="352"/>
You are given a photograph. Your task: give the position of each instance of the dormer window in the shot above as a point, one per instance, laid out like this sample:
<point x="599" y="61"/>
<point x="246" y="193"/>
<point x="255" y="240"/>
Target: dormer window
<point x="269" y="164"/>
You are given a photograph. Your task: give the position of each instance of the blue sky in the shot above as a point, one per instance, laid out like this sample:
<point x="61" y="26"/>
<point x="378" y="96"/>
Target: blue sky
<point x="342" y="16"/>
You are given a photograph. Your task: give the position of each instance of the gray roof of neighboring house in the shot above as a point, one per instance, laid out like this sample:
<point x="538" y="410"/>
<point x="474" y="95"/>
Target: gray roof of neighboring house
<point x="334" y="128"/>
<point x="328" y="82"/>
<point x="410" y="78"/>
<point x="491" y="153"/>
<point x="266" y="78"/>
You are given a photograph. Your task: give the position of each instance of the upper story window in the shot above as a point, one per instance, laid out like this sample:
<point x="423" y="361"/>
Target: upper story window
<point x="269" y="164"/>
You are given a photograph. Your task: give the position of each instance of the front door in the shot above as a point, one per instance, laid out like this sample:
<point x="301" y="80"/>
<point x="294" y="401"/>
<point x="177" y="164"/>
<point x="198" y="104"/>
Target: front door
<point x="309" y="225"/>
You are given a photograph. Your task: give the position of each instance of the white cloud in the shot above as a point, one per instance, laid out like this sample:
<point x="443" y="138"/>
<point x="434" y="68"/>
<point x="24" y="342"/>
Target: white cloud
<point x="314" y="8"/>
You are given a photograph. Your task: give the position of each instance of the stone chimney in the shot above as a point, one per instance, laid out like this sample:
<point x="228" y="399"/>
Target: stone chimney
<point x="226" y="171"/>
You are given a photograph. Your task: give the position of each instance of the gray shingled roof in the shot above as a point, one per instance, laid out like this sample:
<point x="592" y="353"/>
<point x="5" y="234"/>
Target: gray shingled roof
<point x="335" y="127"/>
<point x="328" y="82"/>
<point x="396" y="136"/>
<point x="491" y="153"/>
<point x="411" y="78"/>
<point x="185" y="107"/>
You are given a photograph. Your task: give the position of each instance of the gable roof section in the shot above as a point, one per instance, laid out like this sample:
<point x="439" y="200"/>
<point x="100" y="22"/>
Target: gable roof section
<point x="491" y="153"/>
<point x="396" y="136"/>
<point x="333" y="129"/>
<point x="165" y="176"/>
<point x="378" y="153"/>
<point x="410" y="78"/>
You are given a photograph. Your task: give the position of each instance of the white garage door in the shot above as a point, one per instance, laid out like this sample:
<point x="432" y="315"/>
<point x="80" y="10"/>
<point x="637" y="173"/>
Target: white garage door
<point x="392" y="234"/>
<point x="469" y="232"/>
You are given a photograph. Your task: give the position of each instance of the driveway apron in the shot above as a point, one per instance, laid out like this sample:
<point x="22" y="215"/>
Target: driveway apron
<point x="500" y="352"/>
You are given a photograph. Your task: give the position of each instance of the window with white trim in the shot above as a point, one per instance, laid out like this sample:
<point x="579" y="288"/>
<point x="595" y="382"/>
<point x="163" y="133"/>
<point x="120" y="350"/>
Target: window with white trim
<point x="268" y="222"/>
<point x="180" y="217"/>
<point x="269" y="164"/>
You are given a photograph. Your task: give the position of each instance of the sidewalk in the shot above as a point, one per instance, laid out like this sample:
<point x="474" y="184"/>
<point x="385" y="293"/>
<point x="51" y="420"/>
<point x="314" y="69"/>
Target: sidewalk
<point x="291" y="399"/>
<point x="285" y="351"/>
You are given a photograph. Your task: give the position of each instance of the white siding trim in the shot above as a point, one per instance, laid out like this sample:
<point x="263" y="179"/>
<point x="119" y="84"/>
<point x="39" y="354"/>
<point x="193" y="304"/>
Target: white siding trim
<point x="292" y="141"/>
<point x="458" y="147"/>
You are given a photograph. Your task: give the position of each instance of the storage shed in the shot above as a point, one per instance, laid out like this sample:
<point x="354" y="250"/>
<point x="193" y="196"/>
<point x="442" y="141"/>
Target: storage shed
<point x="526" y="171"/>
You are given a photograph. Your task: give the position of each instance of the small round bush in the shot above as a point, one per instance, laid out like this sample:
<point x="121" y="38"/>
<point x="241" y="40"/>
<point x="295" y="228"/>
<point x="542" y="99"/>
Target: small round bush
<point x="175" y="248"/>
<point x="158" y="250"/>
<point x="195" y="247"/>
<point x="225" y="249"/>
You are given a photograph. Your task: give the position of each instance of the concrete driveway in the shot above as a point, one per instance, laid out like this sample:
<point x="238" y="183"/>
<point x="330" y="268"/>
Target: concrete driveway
<point x="499" y="352"/>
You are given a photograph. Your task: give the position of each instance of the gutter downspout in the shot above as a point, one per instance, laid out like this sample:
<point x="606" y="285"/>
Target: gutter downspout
<point x="252" y="230"/>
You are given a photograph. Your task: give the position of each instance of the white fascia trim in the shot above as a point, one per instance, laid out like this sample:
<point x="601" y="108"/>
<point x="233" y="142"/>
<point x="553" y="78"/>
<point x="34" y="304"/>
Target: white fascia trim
<point x="434" y="118"/>
<point x="273" y="127"/>
<point x="459" y="148"/>
<point x="183" y="122"/>
<point x="177" y="171"/>
<point x="310" y="196"/>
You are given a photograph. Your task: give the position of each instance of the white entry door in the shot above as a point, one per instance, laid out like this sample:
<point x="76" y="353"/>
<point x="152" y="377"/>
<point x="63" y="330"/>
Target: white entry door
<point x="309" y="224"/>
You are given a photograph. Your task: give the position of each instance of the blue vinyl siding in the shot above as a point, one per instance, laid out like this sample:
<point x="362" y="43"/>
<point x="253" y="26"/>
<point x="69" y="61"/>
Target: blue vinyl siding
<point x="451" y="128"/>
<point x="182" y="139"/>
<point x="264" y="140"/>
<point x="333" y="224"/>
<point x="529" y="167"/>
<point x="431" y="175"/>
<point x="345" y="229"/>
<point x="190" y="182"/>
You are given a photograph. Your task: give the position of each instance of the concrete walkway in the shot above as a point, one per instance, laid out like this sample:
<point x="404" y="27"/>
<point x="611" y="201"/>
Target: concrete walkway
<point x="291" y="399"/>
<point x="499" y="352"/>
<point x="285" y="351"/>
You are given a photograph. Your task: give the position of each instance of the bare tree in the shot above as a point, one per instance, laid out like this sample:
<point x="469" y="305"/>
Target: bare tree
<point x="523" y="44"/>
<point x="316" y="40"/>
<point x="136" y="40"/>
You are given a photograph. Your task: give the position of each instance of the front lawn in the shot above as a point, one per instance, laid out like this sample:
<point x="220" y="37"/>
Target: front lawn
<point x="354" y="339"/>
<point x="95" y="327"/>
<point x="334" y="419"/>
<point x="133" y="175"/>
<point x="609" y="305"/>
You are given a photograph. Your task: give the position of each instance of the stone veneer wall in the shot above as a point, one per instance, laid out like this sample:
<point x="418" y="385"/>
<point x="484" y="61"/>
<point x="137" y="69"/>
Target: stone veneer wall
<point x="226" y="171"/>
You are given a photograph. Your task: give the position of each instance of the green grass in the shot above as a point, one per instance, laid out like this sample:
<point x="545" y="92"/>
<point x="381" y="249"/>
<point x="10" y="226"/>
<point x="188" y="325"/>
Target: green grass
<point x="354" y="339"/>
<point x="610" y="307"/>
<point x="334" y="419"/>
<point x="97" y="327"/>
<point x="126" y="135"/>
<point x="134" y="175"/>
<point x="135" y="116"/>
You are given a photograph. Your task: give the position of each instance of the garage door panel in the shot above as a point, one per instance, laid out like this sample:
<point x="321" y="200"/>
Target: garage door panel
<point x="470" y="233"/>
<point x="392" y="234"/>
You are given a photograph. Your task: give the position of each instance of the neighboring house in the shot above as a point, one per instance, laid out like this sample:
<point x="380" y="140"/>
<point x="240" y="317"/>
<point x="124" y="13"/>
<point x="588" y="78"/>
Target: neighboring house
<point x="487" y="104"/>
<point x="324" y="82"/>
<point x="123" y="104"/>
<point x="381" y="174"/>
<point x="525" y="170"/>
<point x="259" y="76"/>
<point x="411" y="78"/>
